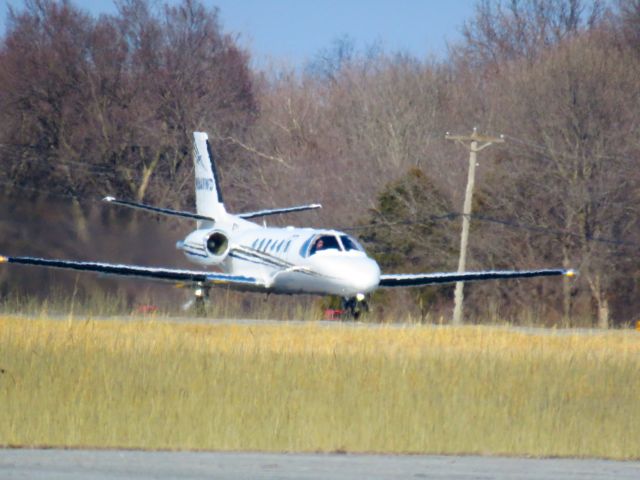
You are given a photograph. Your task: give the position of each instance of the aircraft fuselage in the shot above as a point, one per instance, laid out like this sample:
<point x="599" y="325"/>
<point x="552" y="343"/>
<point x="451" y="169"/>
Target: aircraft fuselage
<point x="288" y="260"/>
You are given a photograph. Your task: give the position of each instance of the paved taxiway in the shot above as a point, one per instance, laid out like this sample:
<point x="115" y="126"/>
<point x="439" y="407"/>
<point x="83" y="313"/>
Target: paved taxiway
<point x="52" y="464"/>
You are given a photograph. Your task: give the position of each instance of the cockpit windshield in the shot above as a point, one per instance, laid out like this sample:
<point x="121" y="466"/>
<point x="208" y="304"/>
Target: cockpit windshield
<point x="350" y="243"/>
<point x="325" y="242"/>
<point x="342" y="243"/>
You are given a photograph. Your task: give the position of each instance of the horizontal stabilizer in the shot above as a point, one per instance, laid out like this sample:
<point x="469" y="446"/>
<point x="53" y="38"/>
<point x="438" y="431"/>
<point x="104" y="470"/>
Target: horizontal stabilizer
<point x="274" y="211"/>
<point x="161" y="211"/>
<point x="239" y="282"/>
<point x="423" y="279"/>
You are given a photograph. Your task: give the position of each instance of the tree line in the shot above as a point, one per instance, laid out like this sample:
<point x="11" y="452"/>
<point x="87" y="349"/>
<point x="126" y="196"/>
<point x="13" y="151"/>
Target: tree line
<point x="90" y="106"/>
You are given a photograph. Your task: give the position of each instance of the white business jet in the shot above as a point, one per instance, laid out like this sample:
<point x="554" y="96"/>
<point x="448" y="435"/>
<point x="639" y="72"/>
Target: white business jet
<point x="270" y="260"/>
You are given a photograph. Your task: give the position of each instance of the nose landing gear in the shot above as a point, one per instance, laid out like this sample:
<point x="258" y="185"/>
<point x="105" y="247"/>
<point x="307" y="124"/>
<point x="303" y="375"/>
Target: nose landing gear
<point x="355" y="307"/>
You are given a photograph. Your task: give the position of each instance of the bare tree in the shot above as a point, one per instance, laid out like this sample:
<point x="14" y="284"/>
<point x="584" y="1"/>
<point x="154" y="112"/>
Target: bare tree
<point x="117" y="96"/>
<point x="570" y="170"/>
<point x="628" y="22"/>
<point x="89" y="107"/>
<point x="501" y="31"/>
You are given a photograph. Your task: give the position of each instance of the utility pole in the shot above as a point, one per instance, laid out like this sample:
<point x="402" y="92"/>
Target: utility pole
<point x="470" y="142"/>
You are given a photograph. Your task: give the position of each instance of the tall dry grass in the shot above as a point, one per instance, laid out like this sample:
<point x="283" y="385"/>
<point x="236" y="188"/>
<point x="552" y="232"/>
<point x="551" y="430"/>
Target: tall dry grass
<point x="103" y="303"/>
<point x="156" y="384"/>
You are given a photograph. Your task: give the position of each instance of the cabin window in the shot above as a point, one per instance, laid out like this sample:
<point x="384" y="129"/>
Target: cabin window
<point x="286" y="247"/>
<point x="280" y="245"/>
<point x="350" y="243"/>
<point x="267" y="245"/>
<point x="304" y="249"/>
<point x="261" y="244"/>
<point x="273" y="245"/>
<point x="325" y="242"/>
<point x="255" y="242"/>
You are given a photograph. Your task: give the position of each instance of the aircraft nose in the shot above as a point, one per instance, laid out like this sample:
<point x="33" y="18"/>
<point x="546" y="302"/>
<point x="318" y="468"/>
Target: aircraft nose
<point x="367" y="276"/>
<point x="350" y="275"/>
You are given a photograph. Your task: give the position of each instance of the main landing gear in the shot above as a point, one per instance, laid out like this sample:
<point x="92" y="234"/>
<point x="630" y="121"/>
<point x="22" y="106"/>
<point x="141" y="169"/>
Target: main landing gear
<point x="355" y="307"/>
<point x="199" y="301"/>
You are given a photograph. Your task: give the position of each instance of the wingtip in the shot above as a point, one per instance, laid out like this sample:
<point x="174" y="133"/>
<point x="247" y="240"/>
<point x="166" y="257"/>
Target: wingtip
<point x="108" y="198"/>
<point x="570" y="273"/>
<point x="3" y="259"/>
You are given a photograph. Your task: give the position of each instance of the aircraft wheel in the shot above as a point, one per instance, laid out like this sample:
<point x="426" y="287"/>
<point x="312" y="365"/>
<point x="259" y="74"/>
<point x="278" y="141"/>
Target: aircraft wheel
<point x="201" y="300"/>
<point x="355" y="308"/>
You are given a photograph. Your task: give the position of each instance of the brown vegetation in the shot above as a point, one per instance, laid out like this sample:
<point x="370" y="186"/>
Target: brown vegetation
<point x="152" y="384"/>
<point x="94" y="106"/>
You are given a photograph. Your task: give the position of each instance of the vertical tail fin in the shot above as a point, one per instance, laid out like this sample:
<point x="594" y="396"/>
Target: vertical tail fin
<point x="208" y="195"/>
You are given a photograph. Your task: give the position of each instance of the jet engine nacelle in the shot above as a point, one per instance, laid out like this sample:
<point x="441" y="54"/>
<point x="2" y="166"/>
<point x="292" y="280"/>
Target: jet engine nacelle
<point x="211" y="246"/>
<point x="217" y="244"/>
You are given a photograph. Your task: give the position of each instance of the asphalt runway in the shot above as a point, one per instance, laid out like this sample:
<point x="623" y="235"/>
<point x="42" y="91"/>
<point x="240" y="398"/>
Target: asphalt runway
<point x="53" y="464"/>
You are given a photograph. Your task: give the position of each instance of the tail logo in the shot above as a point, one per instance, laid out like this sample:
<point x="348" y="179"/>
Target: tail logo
<point x="204" y="184"/>
<point x="198" y="156"/>
<point x="199" y="160"/>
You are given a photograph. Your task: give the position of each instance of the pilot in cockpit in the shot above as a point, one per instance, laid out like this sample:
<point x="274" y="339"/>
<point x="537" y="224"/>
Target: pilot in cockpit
<point x="325" y="242"/>
<point x="317" y="246"/>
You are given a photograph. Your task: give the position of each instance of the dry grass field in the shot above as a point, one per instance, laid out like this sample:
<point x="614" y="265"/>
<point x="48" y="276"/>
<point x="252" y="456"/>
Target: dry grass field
<point x="161" y="385"/>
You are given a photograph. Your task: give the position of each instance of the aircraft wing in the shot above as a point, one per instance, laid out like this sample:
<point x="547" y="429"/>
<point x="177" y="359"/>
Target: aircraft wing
<point x="275" y="211"/>
<point x="159" y="210"/>
<point x="423" y="279"/>
<point x="197" y="216"/>
<point x="238" y="282"/>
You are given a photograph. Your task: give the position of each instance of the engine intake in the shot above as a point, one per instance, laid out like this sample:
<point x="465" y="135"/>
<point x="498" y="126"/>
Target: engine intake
<point x="217" y="243"/>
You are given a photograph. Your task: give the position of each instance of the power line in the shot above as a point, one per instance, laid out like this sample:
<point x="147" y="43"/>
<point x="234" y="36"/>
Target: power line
<point x="552" y="231"/>
<point x="548" y="151"/>
<point x="105" y="172"/>
<point x="97" y="169"/>
<point x="402" y="223"/>
<point x="485" y="218"/>
<point x="66" y="196"/>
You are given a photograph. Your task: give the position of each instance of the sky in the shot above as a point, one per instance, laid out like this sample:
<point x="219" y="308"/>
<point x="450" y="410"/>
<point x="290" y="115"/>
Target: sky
<point x="291" y="32"/>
